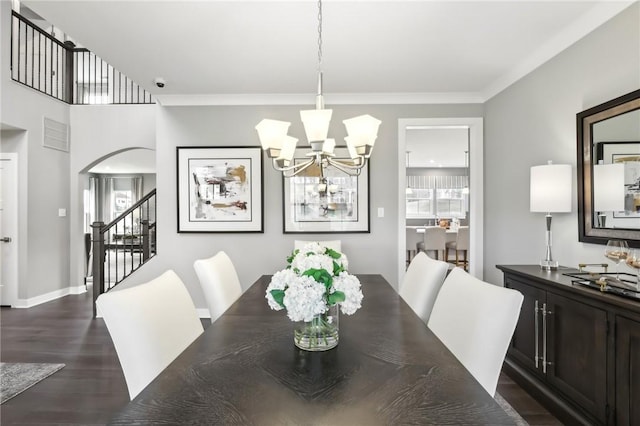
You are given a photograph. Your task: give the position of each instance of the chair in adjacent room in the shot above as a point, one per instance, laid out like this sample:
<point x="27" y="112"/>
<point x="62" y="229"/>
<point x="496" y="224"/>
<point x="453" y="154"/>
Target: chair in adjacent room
<point x="219" y="282"/>
<point x="435" y="239"/>
<point x="421" y="284"/>
<point x="150" y="325"/>
<point x="475" y="320"/>
<point x="461" y="244"/>
<point x="332" y="244"/>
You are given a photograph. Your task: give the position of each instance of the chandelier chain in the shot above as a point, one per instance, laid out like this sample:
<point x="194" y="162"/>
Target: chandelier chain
<point x="319" y="35"/>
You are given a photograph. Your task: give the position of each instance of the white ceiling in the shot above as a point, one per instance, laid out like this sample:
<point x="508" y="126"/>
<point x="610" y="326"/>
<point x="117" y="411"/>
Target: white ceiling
<point x="265" y="52"/>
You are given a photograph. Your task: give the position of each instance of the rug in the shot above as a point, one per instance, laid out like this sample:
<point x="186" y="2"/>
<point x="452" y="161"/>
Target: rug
<point x="511" y="412"/>
<point x="18" y="377"/>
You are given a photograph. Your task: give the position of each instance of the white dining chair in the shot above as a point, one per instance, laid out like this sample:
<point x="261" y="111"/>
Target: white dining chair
<point x="461" y="244"/>
<point x="435" y="238"/>
<point x="219" y="282"/>
<point x="332" y="244"/>
<point x="475" y="320"/>
<point x="421" y="284"/>
<point x="150" y="325"/>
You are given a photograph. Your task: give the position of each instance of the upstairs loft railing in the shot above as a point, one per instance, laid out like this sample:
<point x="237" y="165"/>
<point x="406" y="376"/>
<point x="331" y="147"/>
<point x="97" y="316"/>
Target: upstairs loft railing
<point x="65" y="72"/>
<point x="124" y="245"/>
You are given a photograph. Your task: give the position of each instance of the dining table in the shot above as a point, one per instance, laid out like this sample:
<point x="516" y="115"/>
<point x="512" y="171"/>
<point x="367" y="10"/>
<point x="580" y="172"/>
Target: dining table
<point x="388" y="368"/>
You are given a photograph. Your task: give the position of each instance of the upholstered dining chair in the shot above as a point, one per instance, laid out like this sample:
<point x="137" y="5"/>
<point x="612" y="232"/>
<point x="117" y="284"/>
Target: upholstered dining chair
<point x="475" y="320"/>
<point x="219" y="282"/>
<point x="461" y="244"/>
<point x="332" y="244"/>
<point x="421" y="284"/>
<point x="435" y="239"/>
<point x="150" y="325"/>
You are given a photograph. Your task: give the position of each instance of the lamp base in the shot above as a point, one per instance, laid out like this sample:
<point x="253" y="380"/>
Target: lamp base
<point x="549" y="265"/>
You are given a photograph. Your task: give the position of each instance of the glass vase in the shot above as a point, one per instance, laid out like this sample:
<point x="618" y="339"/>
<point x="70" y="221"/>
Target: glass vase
<point x="319" y="334"/>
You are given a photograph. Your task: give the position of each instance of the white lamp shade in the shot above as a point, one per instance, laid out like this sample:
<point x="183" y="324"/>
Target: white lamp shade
<point x="551" y="188"/>
<point x="288" y="148"/>
<point x="272" y="133"/>
<point x="316" y="123"/>
<point x="328" y="146"/>
<point x="608" y="187"/>
<point x="362" y="130"/>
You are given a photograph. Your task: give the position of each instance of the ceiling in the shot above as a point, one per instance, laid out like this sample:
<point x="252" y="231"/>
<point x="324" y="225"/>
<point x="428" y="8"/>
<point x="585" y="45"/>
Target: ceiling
<point x="265" y="52"/>
<point x="133" y="161"/>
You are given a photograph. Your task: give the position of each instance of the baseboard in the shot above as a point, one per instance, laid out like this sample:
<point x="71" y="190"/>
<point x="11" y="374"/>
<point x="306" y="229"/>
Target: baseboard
<point x="203" y="313"/>
<point x="48" y="297"/>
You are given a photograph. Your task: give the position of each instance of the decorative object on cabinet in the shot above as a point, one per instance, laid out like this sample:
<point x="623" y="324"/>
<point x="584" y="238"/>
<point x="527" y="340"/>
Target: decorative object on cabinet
<point x="219" y="189"/>
<point x="333" y="203"/>
<point x="550" y="193"/>
<point x="568" y="350"/>
<point x="362" y="132"/>
<point x="615" y="120"/>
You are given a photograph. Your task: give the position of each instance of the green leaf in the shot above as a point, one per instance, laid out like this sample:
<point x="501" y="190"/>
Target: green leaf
<point x="321" y="276"/>
<point x="278" y="296"/>
<point x="336" y="297"/>
<point x="293" y="254"/>
<point x="332" y="253"/>
<point x="337" y="268"/>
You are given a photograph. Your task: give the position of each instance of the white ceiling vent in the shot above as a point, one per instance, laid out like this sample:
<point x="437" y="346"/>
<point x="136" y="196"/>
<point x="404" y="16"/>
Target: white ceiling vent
<point x="55" y="135"/>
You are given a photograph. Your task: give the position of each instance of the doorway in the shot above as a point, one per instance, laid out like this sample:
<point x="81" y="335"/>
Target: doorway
<point x="473" y="128"/>
<point x="8" y="229"/>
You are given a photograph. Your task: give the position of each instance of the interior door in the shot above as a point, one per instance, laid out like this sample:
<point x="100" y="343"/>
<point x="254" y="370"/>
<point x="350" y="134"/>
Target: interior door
<point x="8" y="229"/>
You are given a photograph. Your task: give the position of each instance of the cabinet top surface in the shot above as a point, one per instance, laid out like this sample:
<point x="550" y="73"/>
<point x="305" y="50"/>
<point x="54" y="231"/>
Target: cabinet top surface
<point x="558" y="280"/>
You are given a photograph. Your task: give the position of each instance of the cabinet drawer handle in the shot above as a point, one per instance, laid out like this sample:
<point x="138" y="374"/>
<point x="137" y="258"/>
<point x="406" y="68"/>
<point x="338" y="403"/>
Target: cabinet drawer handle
<point x="544" y="337"/>
<point x="536" y="309"/>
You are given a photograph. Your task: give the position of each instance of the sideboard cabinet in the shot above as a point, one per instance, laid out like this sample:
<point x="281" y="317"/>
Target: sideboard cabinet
<point x="574" y="348"/>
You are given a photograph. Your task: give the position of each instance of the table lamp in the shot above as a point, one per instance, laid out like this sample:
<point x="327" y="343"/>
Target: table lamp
<point x="550" y="193"/>
<point x="608" y="190"/>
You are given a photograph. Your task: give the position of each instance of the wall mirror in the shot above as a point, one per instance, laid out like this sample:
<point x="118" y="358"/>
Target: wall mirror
<point x="609" y="171"/>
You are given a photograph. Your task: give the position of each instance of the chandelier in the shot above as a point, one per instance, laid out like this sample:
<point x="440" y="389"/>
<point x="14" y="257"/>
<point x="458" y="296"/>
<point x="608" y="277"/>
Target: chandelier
<point x="362" y="132"/>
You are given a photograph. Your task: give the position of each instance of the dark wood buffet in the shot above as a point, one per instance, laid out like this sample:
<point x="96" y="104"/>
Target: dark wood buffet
<point x="576" y="349"/>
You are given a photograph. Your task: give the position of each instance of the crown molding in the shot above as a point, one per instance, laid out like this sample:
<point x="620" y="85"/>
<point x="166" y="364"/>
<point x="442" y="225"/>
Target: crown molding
<point x="330" y="99"/>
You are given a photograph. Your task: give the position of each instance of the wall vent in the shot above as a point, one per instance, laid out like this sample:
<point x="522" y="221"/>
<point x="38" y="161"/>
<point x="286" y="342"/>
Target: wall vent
<point x="55" y="135"/>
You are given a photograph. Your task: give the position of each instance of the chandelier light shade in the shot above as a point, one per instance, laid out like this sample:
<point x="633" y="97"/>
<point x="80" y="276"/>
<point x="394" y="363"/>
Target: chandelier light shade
<point x="362" y="132"/>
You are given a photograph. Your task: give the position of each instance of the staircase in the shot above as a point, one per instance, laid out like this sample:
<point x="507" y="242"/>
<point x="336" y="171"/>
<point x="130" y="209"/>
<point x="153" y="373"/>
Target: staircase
<point x="121" y="247"/>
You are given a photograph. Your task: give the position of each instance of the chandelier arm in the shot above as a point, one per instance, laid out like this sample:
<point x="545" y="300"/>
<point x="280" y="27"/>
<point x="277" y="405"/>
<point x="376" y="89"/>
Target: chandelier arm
<point x="295" y="169"/>
<point x="346" y="168"/>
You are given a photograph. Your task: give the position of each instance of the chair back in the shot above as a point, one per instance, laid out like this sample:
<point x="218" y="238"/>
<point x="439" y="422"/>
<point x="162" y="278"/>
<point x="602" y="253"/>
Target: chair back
<point x="421" y="284"/>
<point x="435" y="238"/>
<point x="462" y="239"/>
<point x="219" y="282"/>
<point x="475" y="320"/>
<point x="332" y="244"/>
<point x="150" y="325"/>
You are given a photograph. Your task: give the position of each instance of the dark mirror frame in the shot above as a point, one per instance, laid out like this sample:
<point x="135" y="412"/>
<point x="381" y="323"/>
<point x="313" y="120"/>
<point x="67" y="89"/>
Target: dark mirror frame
<point x="584" y="121"/>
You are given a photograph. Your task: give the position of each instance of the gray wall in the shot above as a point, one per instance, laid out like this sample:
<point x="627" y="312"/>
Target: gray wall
<point x="43" y="237"/>
<point x="257" y="254"/>
<point x="533" y="121"/>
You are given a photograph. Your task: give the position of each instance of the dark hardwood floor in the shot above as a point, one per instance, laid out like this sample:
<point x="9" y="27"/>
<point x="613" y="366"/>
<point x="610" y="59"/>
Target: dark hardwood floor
<point x="91" y="387"/>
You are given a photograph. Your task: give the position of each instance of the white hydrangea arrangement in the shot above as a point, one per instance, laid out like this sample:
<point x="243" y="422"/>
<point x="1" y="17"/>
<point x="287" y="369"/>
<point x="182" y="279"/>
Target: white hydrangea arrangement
<point x="315" y="279"/>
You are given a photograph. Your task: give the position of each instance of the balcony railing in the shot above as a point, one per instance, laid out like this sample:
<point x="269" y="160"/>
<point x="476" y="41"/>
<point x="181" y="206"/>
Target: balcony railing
<point x="62" y="71"/>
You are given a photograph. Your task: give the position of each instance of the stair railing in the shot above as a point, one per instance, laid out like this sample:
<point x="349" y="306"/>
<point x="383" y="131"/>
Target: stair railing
<point x="123" y="245"/>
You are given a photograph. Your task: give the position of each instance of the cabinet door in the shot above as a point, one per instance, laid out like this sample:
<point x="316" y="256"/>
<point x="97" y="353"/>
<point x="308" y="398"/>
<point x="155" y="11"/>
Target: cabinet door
<point x="524" y="341"/>
<point x="577" y="353"/>
<point x="627" y="372"/>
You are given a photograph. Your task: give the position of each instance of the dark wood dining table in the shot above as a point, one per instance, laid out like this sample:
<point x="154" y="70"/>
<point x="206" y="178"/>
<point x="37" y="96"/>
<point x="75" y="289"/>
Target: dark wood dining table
<point x="388" y="369"/>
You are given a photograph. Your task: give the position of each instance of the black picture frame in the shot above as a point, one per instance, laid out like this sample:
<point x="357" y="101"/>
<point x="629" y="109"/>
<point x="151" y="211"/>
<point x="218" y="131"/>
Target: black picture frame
<point x="219" y="189"/>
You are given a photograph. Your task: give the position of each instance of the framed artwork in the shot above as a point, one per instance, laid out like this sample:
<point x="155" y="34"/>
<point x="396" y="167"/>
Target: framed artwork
<point x="627" y="153"/>
<point x="340" y="204"/>
<point x="219" y="189"/>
